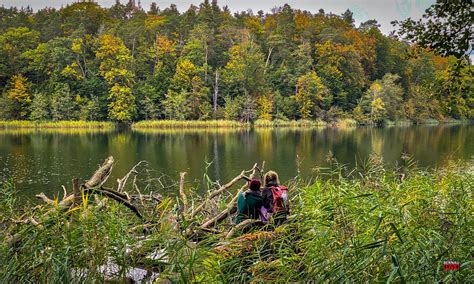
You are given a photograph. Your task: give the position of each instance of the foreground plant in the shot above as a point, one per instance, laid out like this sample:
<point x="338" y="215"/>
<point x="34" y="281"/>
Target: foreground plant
<point x="377" y="225"/>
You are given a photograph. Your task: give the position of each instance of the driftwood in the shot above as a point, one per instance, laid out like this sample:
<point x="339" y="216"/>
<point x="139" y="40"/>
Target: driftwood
<point x="95" y="185"/>
<point x="101" y="175"/>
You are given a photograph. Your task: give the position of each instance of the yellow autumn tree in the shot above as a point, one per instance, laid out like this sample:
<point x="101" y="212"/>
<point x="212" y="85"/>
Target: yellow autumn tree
<point x="18" y="97"/>
<point x="265" y="104"/>
<point x="311" y="94"/>
<point x="115" y="68"/>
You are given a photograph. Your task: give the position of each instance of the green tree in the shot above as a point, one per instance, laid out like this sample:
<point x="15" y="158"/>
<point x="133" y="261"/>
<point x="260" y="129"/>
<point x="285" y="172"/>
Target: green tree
<point x="446" y="27"/>
<point x="40" y="107"/>
<point x="383" y="99"/>
<point x="188" y="85"/>
<point x="341" y="71"/>
<point x="13" y="43"/>
<point x="63" y="106"/>
<point x="243" y="73"/>
<point x="175" y="106"/>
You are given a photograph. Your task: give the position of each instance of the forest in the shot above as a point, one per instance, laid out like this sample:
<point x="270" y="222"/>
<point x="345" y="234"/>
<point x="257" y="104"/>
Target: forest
<point x="127" y="63"/>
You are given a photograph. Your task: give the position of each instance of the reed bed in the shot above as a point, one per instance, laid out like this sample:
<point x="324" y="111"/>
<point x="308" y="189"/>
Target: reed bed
<point x="304" y="123"/>
<point x="370" y="225"/>
<point x="189" y="124"/>
<point x="14" y="124"/>
<point x="346" y="123"/>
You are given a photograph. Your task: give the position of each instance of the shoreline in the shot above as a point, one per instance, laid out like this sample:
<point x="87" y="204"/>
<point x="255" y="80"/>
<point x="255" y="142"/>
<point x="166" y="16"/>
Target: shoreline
<point x="216" y="124"/>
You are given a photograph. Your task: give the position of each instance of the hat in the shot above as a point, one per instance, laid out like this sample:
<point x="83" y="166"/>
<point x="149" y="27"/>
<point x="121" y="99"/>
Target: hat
<point x="254" y="184"/>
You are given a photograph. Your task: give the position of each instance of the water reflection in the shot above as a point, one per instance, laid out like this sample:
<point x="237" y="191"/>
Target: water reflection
<point x="43" y="161"/>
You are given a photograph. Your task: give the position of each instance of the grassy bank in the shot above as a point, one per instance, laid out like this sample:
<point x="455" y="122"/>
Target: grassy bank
<point x="14" y="124"/>
<point x="212" y="124"/>
<point x="380" y="226"/>
<point x="289" y="123"/>
<point x="188" y="124"/>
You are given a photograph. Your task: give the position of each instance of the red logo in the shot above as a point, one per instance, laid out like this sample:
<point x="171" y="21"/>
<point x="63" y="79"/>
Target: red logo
<point x="451" y="265"/>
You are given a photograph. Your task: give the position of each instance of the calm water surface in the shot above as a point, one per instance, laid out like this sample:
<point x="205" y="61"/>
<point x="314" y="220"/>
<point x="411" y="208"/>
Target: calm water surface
<point x="43" y="161"/>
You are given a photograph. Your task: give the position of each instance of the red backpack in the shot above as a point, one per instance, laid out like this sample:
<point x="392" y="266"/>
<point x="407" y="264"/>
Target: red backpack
<point x="280" y="198"/>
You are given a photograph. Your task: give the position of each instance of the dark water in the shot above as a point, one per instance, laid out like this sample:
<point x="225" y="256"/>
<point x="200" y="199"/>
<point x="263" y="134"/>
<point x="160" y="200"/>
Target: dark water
<point x="43" y="161"/>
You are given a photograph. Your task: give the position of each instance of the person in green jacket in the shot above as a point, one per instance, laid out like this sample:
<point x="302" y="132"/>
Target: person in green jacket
<point x="249" y="202"/>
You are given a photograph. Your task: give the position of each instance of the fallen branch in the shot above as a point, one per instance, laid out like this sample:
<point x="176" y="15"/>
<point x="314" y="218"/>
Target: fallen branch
<point x="242" y="225"/>
<point x="115" y="197"/>
<point x="221" y="190"/>
<point x="230" y="209"/>
<point x="101" y="175"/>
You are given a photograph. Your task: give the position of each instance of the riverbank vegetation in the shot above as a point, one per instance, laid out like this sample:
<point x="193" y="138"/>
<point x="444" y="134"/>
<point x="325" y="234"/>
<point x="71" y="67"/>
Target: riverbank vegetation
<point x="189" y="124"/>
<point x="369" y="224"/>
<point x="125" y="64"/>
<point x="15" y="124"/>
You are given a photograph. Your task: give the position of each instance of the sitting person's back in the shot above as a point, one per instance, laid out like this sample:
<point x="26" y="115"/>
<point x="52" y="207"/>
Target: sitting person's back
<point x="275" y="198"/>
<point x="249" y="202"/>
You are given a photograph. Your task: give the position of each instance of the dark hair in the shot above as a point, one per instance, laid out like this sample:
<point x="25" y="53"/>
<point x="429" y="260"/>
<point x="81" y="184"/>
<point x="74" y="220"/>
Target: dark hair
<point x="254" y="184"/>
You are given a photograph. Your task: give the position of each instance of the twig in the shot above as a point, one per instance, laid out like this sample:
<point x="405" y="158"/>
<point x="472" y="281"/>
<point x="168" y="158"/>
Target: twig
<point x="221" y="190"/>
<point x="123" y="181"/>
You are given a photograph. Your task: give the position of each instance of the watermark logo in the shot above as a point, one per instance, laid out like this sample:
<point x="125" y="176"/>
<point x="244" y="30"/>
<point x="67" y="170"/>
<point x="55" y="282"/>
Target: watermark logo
<point x="406" y="8"/>
<point x="451" y="265"/>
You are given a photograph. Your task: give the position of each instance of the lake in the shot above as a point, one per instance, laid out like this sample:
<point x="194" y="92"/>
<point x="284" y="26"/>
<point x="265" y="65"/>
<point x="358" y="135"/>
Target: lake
<point x="45" y="160"/>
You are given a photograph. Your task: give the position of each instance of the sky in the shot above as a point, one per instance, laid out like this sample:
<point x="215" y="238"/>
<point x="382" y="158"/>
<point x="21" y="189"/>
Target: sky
<point x="384" y="11"/>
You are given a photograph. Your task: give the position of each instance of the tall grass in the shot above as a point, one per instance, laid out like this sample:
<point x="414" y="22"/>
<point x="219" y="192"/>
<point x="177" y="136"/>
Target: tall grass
<point x="262" y="123"/>
<point x="370" y="225"/>
<point x="188" y="124"/>
<point x="346" y="123"/>
<point x="56" y="124"/>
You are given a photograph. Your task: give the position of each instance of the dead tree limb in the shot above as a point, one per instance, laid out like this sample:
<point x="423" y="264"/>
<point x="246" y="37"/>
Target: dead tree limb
<point x="230" y="209"/>
<point x="242" y="225"/>
<point x="101" y="175"/>
<point x="221" y="190"/>
<point x="121" y="182"/>
<point x="116" y="198"/>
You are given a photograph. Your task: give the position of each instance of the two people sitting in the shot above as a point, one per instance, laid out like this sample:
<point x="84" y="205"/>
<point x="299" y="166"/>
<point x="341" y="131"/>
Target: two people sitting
<point x="269" y="203"/>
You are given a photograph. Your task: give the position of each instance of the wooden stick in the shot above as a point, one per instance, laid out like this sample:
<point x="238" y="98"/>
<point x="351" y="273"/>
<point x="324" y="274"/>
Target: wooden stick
<point x="76" y="191"/>
<point x="181" y="191"/>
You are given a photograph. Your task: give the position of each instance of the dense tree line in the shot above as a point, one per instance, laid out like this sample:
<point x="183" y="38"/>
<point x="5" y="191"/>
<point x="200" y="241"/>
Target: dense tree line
<point x="125" y="64"/>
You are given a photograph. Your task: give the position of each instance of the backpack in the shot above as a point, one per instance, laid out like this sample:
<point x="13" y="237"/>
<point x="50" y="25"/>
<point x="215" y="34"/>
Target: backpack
<point x="280" y="198"/>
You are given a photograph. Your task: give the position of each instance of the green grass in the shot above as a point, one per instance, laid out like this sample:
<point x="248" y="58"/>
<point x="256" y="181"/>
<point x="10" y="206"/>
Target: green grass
<point x="14" y="124"/>
<point x="371" y="225"/>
